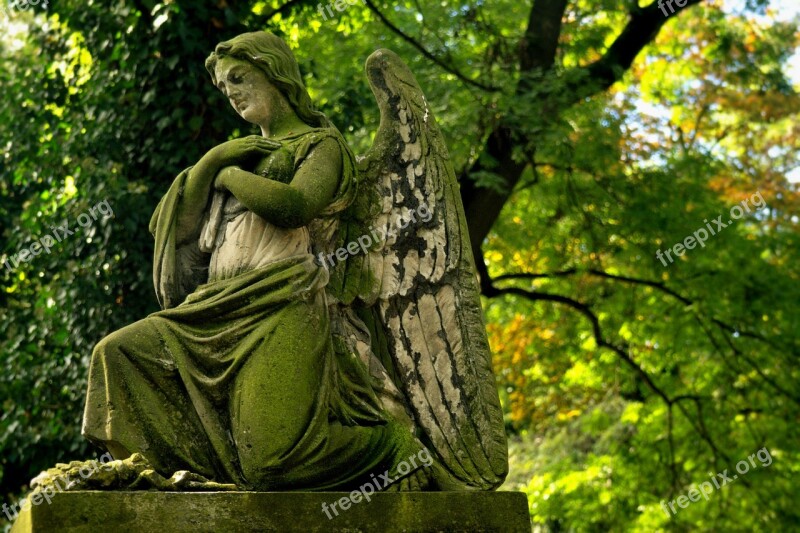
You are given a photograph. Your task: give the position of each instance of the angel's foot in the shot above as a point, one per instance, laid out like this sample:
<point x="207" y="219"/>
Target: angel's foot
<point x="189" y="481"/>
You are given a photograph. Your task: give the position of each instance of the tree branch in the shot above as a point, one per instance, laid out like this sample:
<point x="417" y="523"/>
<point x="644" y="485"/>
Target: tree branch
<point x="699" y="425"/>
<point x="540" y="41"/>
<point x="727" y="328"/>
<point x="648" y="283"/>
<point x="641" y="30"/>
<point x="597" y="331"/>
<point x="425" y="52"/>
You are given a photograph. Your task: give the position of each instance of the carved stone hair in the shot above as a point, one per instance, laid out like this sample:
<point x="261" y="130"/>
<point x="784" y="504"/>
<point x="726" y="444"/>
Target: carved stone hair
<point x="274" y="57"/>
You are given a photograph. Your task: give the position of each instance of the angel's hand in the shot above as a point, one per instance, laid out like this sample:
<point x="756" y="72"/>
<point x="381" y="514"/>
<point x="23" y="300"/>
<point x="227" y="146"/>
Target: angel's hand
<point x="239" y="151"/>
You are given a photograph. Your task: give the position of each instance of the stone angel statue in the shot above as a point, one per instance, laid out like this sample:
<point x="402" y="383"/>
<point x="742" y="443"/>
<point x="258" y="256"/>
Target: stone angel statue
<point x="320" y="319"/>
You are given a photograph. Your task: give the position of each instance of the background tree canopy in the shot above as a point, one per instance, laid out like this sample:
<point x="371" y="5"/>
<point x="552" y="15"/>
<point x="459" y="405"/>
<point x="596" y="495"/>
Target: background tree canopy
<point x="588" y="136"/>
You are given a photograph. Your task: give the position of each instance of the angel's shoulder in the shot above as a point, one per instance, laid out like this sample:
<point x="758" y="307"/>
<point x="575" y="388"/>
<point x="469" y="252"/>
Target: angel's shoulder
<point x="320" y="142"/>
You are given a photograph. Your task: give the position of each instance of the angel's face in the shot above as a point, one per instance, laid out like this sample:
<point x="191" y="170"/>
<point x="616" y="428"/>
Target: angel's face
<point x="248" y="89"/>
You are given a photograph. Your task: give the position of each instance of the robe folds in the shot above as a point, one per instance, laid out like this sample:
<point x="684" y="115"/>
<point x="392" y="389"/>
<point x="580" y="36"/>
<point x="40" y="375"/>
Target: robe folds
<point x="237" y="378"/>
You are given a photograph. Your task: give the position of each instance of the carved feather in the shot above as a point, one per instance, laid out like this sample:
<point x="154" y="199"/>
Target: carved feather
<point x="422" y="279"/>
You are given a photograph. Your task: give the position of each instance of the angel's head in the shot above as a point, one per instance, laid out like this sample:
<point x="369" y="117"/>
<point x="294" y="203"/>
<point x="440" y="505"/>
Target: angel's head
<point x="260" y="76"/>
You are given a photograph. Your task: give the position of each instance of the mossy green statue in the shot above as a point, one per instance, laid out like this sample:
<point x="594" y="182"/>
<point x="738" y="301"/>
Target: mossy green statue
<point x="321" y="320"/>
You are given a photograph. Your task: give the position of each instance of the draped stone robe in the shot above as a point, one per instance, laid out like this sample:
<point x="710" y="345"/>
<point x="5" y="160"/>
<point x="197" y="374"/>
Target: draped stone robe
<point x="237" y="378"/>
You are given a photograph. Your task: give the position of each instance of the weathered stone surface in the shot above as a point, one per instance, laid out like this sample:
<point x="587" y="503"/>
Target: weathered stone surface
<point x="222" y="512"/>
<point x="308" y="297"/>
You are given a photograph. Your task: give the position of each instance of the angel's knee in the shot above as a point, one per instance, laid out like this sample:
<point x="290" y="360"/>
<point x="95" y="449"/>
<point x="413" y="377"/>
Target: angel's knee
<point x="135" y="341"/>
<point x="110" y="347"/>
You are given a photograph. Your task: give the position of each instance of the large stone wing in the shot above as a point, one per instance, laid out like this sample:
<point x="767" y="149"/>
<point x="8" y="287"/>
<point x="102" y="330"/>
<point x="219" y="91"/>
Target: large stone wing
<point x="420" y="277"/>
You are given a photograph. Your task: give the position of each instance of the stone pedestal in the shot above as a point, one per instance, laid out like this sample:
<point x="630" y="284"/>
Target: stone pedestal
<point x="235" y="512"/>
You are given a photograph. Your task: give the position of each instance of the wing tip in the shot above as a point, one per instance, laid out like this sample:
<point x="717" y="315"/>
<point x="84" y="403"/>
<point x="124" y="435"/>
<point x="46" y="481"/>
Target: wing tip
<point x="380" y="57"/>
<point x="384" y="60"/>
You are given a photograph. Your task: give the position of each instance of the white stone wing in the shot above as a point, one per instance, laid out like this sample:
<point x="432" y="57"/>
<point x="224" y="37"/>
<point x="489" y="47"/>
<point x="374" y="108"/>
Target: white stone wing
<point x="420" y="276"/>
